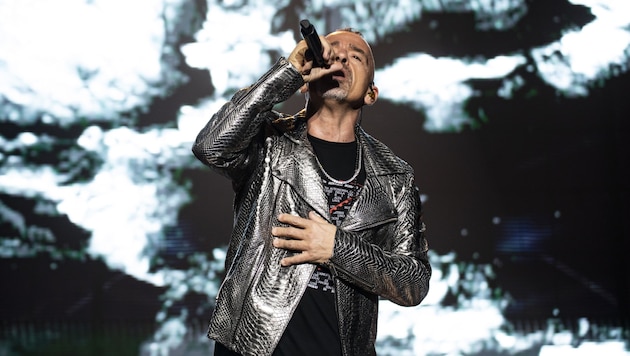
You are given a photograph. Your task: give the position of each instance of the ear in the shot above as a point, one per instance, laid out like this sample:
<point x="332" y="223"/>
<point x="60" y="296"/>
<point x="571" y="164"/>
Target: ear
<point x="371" y="95"/>
<point x="304" y="88"/>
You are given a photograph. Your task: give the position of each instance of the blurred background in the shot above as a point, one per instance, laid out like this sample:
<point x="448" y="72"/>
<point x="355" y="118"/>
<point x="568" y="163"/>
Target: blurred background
<point x="513" y="113"/>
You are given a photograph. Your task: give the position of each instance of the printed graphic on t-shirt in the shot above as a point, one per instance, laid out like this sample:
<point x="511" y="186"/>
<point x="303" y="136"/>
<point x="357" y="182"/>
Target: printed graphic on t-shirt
<point x="322" y="280"/>
<point x="340" y="199"/>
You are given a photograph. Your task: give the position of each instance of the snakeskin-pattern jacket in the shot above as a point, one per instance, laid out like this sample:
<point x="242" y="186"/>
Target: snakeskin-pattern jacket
<point x="379" y="251"/>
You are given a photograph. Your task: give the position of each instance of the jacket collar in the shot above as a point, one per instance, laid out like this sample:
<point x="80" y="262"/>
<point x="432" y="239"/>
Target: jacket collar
<point x="377" y="157"/>
<point x="298" y="167"/>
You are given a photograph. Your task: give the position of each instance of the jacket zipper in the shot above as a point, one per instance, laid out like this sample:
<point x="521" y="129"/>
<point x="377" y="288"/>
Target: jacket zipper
<point x="341" y="334"/>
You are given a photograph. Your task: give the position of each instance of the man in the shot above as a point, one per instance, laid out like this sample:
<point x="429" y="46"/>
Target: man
<point x="327" y="218"/>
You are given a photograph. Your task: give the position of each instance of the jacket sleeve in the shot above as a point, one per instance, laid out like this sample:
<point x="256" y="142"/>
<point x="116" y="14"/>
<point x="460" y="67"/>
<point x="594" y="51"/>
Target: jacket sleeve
<point x="400" y="270"/>
<point x="224" y="144"/>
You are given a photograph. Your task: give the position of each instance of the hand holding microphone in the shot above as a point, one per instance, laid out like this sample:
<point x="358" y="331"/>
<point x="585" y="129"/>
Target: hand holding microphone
<point x="310" y="57"/>
<point x="313" y="42"/>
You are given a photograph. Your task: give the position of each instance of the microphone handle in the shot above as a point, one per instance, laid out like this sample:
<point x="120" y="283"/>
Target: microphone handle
<point x="313" y="42"/>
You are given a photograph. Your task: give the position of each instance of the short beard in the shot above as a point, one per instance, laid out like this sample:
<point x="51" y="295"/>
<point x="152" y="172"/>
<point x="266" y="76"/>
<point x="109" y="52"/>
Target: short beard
<point x="331" y="89"/>
<point x="337" y="94"/>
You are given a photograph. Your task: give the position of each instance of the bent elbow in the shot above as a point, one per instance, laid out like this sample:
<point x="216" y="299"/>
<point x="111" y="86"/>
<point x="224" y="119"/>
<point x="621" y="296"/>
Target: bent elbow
<point x="414" y="294"/>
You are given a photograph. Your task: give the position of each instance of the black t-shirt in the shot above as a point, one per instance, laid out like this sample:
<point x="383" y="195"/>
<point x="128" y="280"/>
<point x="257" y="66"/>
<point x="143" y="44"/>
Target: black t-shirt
<point x="314" y="328"/>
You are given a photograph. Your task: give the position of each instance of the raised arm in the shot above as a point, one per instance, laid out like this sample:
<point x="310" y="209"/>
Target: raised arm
<point x="224" y="143"/>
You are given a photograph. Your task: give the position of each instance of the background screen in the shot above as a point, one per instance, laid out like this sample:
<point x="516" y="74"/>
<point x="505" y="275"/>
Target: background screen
<point x="514" y="115"/>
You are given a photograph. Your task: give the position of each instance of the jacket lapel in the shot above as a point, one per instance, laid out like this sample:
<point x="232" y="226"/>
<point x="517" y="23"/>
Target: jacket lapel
<point x="298" y="168"/>
<point x="375" y="205"/>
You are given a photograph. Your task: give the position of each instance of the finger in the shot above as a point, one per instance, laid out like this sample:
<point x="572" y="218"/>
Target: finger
<point x="294" y="260"/>
<point x="293" y="220"/>
<point x="317" y="72"/>
<point x="316" y="217"/>
<point x="289" y="232"/>
<point x="327" y="50"/>
<point x="297" y="58"/>
<point x="307" y="66"/>
<point x="290" y="245"/>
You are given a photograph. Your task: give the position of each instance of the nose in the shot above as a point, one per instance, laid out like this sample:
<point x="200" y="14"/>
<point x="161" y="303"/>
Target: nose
<point x="341" y="55"/>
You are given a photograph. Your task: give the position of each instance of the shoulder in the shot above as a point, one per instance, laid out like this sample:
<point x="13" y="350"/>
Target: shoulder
<point x="381" y="157"/>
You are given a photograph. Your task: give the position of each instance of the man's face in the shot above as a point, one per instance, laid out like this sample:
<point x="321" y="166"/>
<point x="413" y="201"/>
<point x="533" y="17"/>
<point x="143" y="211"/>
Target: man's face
<point x="352" y="82"/>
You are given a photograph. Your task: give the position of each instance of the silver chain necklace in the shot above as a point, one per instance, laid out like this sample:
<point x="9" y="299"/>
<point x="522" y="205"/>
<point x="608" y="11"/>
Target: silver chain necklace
<point x="357" y="168"/>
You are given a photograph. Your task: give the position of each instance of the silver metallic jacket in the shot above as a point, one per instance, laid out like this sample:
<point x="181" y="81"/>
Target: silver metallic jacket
<point x="380" y="249"/>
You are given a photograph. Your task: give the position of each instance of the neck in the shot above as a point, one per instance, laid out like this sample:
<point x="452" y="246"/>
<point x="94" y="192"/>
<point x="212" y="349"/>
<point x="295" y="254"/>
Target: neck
<point x="334" y="125"/>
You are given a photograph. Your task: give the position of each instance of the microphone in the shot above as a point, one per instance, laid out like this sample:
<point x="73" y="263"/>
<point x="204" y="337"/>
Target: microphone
<point x="313" y="42"/>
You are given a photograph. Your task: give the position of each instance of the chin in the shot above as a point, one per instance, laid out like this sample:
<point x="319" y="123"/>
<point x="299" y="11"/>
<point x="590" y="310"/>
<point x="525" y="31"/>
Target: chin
<point x="335" y="93"/>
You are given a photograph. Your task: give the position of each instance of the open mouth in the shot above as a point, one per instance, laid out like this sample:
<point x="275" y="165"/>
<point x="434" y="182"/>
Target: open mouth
<point x="338" y="75"/>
